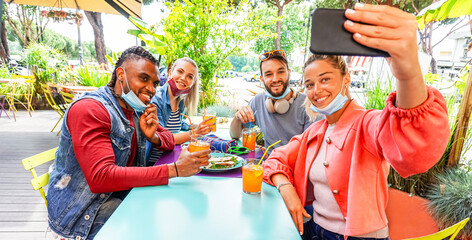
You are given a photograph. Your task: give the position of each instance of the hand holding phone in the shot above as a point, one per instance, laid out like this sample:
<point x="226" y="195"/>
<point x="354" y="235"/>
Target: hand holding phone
<point x="328" y="36"/>
<point x="394" y="31"/>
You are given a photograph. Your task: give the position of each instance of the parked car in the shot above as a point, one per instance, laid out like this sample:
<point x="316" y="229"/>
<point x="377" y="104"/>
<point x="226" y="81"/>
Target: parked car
<point x="230" y="74"/>
<point x="358" y="81"/>
<point x="252" y="77"/>
<point x="247" y="76"/>
<point x="295" y="78"/>
<point x="163" y="75"/>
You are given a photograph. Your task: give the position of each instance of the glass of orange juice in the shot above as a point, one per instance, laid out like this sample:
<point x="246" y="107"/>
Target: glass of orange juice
<point x="197" y="144"/>
<point x="249" y="138"/>
<point x="252" y="176"/>
<point x="210" y="114"/>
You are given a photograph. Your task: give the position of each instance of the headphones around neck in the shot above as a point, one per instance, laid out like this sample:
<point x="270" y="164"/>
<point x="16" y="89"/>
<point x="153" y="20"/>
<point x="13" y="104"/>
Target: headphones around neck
<point x="281" y="106"/>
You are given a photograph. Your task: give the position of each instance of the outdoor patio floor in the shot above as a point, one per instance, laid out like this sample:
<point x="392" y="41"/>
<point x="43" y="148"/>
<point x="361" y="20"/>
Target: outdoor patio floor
<point x="23" y="214"/>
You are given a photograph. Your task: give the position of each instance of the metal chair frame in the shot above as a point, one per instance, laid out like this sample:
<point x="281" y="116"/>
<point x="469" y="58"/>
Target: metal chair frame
<point x="2" y="106"/>
<point x="443" y="234"/>
<point x="38" y="182"/>
<point x="52" y="103"/>
<point x="28" y="80"/>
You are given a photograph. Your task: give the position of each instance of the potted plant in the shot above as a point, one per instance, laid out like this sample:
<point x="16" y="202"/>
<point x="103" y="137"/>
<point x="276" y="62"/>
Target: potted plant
<point x="451" y="199"/>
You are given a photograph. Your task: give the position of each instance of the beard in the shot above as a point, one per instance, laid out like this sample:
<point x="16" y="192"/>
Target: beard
<point x="279" y="94"/>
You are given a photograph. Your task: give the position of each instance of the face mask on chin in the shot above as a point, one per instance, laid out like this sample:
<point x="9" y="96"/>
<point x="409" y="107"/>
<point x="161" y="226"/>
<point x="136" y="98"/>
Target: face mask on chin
<point x="286" y="91"/>
<point x="131" y="99"/>
<point x="334" y="106"/>
<point x="175" y="90"/>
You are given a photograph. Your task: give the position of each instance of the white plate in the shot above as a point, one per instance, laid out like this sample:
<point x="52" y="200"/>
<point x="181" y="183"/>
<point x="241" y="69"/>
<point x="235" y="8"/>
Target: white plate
<point x="216" y="155"/>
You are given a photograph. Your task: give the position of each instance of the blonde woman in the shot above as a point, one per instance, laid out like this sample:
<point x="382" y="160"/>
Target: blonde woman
<point x="179" y="93"/>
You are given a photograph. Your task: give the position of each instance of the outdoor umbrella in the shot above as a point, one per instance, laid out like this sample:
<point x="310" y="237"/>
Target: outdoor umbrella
<point x="124" y="7"/>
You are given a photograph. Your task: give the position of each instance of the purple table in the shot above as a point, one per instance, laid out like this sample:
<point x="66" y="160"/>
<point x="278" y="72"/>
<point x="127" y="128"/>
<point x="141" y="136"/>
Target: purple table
<point x="172" y="156"/>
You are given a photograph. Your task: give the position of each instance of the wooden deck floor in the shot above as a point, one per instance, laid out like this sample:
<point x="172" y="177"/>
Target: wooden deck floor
<point x="23" y="214"/>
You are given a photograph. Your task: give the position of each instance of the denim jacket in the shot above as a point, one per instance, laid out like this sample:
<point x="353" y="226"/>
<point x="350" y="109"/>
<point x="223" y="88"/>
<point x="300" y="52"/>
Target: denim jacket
<point x="72" y="207"/>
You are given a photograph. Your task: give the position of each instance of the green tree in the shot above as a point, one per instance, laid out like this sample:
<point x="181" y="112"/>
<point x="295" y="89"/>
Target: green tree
<point x="293" y="28"/>
<point x="66" y="45"/>
<point x="329" y="4"/>
<point x="26" y="22"/>
<point x="246" y="69"/>
<point x="278" y="26"/>
<point x="47" y="63"/>
<point x="208" y="31"/>
<point x="239" y="62"/>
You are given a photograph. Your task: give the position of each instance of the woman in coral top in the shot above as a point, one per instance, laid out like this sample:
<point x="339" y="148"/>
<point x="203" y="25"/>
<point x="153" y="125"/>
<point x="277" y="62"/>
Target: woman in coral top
<point x="340" y="165"/>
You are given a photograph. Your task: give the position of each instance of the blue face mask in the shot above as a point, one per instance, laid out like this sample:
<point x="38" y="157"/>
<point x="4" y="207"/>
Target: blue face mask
<point x="131" y="98"/>
<point x="287" y="90"/>
<point x="334" y="106"/>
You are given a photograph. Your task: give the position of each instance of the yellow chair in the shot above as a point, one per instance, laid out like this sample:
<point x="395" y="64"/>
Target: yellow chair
<point x="68" y="98"/>
<point x="34" y="161"/>
<point x="29" y="81"/>
<point x="450" y="231"/>
<point x="50" y="98"/>
<point x="66" y="101"/>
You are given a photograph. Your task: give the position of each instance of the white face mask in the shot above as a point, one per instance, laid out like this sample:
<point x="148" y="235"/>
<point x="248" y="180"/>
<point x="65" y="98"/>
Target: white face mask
<point x="334" y="106"/>
<point x="131" y="98"/>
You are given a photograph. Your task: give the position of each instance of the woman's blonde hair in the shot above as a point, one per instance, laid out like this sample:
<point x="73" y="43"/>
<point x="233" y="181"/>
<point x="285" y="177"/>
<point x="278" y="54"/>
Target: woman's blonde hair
<point x="337" y="62"/>
<point x="190" y="99"/>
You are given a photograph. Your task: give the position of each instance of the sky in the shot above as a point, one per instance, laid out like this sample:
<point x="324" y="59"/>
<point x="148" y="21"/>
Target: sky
<point x="115" y="27"/>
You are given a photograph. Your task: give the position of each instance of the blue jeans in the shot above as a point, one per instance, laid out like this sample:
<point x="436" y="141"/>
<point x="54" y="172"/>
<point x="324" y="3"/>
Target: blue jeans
<point x="313" y="231"/>
<point x="104" y="212"/>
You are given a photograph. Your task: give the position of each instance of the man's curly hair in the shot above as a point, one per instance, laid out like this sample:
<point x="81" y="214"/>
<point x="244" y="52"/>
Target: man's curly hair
<point x="134" y="53"/>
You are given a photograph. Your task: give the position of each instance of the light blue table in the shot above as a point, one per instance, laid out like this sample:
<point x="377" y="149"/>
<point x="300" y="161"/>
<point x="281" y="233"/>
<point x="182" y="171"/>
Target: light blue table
<point x="200" y="208"/>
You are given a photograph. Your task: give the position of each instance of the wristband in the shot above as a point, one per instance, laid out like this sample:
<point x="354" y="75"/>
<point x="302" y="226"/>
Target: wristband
<point x="282" y="184"/>
<point x="176" y="171"/>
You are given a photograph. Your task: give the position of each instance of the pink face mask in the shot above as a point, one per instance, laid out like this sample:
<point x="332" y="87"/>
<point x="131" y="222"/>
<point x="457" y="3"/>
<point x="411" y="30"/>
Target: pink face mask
<point x="176" y="91"/>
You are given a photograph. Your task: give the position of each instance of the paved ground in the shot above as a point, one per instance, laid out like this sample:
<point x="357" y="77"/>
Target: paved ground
<point x="41" y="121"/>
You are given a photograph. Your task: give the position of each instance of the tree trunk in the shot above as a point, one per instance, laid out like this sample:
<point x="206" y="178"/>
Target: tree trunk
<point x="470" y="25"/>
<point x="462" y="124"/>
<point x="434" y="68"/>
<point x="95" y="20"/>
<point x="278" y="27"/>
<point x="4" y="50"/>
<point x="434" y="65"/>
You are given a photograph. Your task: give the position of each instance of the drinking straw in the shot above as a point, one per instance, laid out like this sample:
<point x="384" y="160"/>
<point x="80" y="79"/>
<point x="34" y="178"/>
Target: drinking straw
<point x="250" y="124"/>
<point x="203" y="103"/>
<point x="266" y="152"/>
<point x="191" y="126"/>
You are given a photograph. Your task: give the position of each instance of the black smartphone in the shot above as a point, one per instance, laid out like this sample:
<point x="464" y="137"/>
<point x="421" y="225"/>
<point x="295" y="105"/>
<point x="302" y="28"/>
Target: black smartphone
<point x="329" y="37"/>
